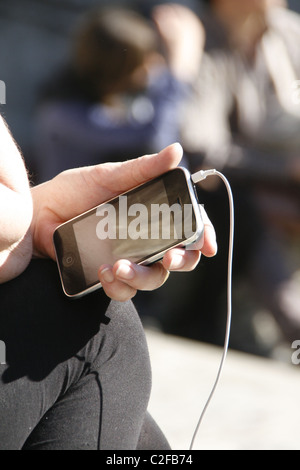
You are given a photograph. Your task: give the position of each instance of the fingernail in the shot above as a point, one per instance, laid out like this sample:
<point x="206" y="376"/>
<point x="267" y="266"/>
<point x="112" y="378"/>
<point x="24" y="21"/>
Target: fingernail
<point x="125" y="272"/>
<point x="177" y="262"/>
<point x="107" y="275"/>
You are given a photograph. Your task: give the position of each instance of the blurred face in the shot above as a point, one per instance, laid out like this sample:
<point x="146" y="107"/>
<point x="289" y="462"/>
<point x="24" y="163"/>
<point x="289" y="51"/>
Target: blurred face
<point x="245" y="20"/>
<point x="138" y="79"/>
<point x="243" y="8"/>
<point x="238" y="9"/>
<point x="140" y="76"/>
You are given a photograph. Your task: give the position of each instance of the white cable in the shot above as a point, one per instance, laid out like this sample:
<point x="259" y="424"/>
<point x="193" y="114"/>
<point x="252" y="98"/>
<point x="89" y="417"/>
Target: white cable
<point x="196" y="178"/>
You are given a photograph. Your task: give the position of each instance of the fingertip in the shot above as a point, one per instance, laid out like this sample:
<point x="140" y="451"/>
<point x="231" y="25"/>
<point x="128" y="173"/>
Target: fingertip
<point x="124" y="271"/>
<point x="106" y="274"/>
<point x="177" y="148"/>
<point x="174" y="152"/>
<point x="210" y="246"/>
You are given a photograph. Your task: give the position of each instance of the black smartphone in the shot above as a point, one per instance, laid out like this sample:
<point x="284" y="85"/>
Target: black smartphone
<point x="140" y="225"/>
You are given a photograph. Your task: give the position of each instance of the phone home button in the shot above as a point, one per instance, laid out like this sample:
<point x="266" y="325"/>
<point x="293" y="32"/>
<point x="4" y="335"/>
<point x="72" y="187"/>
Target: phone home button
<point x="68" y="260"/>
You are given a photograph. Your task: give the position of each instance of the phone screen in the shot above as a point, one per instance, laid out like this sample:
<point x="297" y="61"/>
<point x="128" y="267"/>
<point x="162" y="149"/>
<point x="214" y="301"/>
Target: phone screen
<point x="139" y="225"/>
<point x="134" y="244"/>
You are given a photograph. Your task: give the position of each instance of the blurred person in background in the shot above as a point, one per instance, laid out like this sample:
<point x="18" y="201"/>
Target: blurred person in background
<point x="35" y="41"/>
<point x="118" y="96"/>
<point x="244" y="119"/>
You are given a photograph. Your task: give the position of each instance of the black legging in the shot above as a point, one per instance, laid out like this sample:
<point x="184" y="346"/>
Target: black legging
<point x="77" y="374"/>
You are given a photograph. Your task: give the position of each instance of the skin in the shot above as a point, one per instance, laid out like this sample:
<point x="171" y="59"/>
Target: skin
<point x="71" y="193"/>
<point x="244" y="20"/>
<point x="183" y="35"/>
<point x="84" y="188"/>
<point x="15" y="208"/>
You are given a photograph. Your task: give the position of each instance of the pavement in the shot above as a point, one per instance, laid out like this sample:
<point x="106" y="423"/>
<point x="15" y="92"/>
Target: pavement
<point x="255" y="405"/>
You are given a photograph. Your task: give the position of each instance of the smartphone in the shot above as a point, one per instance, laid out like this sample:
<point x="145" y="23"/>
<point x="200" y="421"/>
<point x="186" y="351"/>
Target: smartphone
<point x="140" y="225"/>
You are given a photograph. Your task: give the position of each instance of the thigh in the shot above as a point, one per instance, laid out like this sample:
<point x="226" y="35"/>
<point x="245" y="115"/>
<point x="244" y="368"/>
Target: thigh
<point x="151" y="436"/>
<point x="68" y="363"/>
<point x="43" y="331"/>
<point x="106" y="407"/>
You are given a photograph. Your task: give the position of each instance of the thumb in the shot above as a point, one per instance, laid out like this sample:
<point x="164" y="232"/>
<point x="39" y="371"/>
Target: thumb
<point x="120" y="177"/>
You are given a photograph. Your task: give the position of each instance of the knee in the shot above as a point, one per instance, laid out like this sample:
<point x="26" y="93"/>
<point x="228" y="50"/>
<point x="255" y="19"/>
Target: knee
<point x="125" y="342"/>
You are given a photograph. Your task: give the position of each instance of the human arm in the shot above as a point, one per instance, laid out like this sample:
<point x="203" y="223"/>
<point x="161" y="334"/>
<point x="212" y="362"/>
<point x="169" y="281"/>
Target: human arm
<point x="75" y="191"/>
<point x="15" y="208"/>
<point x="183" y="36"/>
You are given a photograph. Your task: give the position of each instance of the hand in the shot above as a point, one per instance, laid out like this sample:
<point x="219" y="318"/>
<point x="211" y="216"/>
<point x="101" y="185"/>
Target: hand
<point x="75" y="191"/>
<point x="122" y="280"/>
<point x="183" y="36"/>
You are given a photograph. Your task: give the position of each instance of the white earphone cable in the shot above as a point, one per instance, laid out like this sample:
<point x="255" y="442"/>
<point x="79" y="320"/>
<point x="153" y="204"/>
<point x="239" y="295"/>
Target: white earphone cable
<point x="196" y="178"/>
